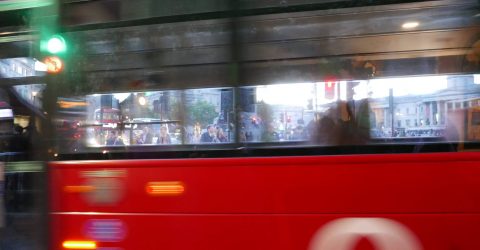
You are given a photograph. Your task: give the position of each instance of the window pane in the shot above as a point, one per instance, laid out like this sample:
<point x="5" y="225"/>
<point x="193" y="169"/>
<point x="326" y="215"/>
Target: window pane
<point x="209" y="115"/>
<point x="138" y="118"/>
<point x="359" y="112"/>
<point x="195" y="116"/>
<point x="21" y="67"/>
<point x="31" y="93"/>
<point x="281" y="112"/>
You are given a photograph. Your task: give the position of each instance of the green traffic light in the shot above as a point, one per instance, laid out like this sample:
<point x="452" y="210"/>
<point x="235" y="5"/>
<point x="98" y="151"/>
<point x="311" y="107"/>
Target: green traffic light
<point x="56" y="44"/>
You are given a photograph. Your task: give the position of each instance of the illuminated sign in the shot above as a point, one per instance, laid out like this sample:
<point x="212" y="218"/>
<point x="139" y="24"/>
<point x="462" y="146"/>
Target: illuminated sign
<point x="6" y="113"/>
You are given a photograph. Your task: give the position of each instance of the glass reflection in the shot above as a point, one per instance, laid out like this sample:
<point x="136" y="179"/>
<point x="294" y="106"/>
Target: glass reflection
<point x="438" y="108"/>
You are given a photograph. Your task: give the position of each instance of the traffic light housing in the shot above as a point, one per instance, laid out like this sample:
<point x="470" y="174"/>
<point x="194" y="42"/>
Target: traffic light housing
<point x="54" y="49"/>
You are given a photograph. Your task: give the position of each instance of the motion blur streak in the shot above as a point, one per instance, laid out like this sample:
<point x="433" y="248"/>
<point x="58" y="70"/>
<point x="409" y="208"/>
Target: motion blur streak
<point x="67" y="104"/>
<point x="165" y="188"/>
<point x="79" y="245"/>
<point x="410" y="25"/>
<point x="384" y="234"/>
<point x="78" y="189"/>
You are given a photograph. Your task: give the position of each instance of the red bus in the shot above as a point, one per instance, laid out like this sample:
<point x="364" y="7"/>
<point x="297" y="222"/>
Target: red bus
<point x="107" y="115"/>
<point x="297" y="125"/>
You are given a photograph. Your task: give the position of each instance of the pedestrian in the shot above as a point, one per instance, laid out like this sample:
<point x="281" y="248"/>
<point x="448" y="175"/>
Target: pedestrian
<point x="112" y="136"/>
<point x="164" y="137"/>
<point x="221" y="135"/>
<point x="147" y="136"/>
<point x="210" y="135"/>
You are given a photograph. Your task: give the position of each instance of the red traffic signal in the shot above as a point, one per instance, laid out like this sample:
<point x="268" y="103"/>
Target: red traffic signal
<point x="330" y="90"/>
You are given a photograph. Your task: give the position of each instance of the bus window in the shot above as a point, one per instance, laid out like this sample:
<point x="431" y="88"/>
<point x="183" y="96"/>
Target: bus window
<point x="330" y="113"/>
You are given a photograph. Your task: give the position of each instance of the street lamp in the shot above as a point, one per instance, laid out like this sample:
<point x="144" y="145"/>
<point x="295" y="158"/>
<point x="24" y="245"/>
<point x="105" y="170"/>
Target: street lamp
<point x="142" y="101"/>
<point x="34" y="94"/>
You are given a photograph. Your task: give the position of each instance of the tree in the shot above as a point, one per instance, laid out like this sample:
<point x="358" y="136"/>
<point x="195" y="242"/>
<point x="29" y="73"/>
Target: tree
<point x="202" y="112"/>
<point x="175" y="111"/>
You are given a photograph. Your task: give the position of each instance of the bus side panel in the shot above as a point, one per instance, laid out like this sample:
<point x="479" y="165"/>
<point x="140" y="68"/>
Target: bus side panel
<point x="418" y="183"/>
<point x="269" y="231"/>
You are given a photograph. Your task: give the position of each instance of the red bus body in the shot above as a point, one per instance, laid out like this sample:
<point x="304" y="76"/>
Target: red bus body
<point x="278" y="203"/>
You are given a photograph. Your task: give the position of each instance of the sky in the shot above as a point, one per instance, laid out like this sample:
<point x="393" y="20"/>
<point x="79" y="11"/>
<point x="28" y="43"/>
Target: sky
<point x="297" y="94"/>
<point x="405" y="86"/>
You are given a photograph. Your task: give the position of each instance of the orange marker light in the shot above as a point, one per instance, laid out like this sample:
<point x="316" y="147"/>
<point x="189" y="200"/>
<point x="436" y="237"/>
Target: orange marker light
<point x="73" y="244"/>
<point x="67" y="104"/>
<point x="165" y="188"/>
<point x="78" y="189"/>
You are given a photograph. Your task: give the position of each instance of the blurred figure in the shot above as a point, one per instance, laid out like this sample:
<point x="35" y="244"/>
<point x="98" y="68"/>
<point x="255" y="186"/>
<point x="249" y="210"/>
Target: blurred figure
<point x="164" y="137"/>
<point x="455" y="130"/>
<point x="242" y="135"/>
<point x="114" y="139"/>
<point x="147" y="136"/>
<point x="312" y="127"/>
<point x="298" y="133"/>
<point x="327" y="130"/>
<point x="249" y="136"/>
<point x="364" y="119"/>
<point x="341" y="126"/>
<point x="210" y="135"/>
<point x="136" y="139"/>
<point x="119" y="140"/>
<point x="18" y="142"/>
<point x="347" y="128"/>
<point x="221" y="135"/>
<point x="270" y="134"/>
<point x="197" y="133"/>
<point x="353" y="128"/>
